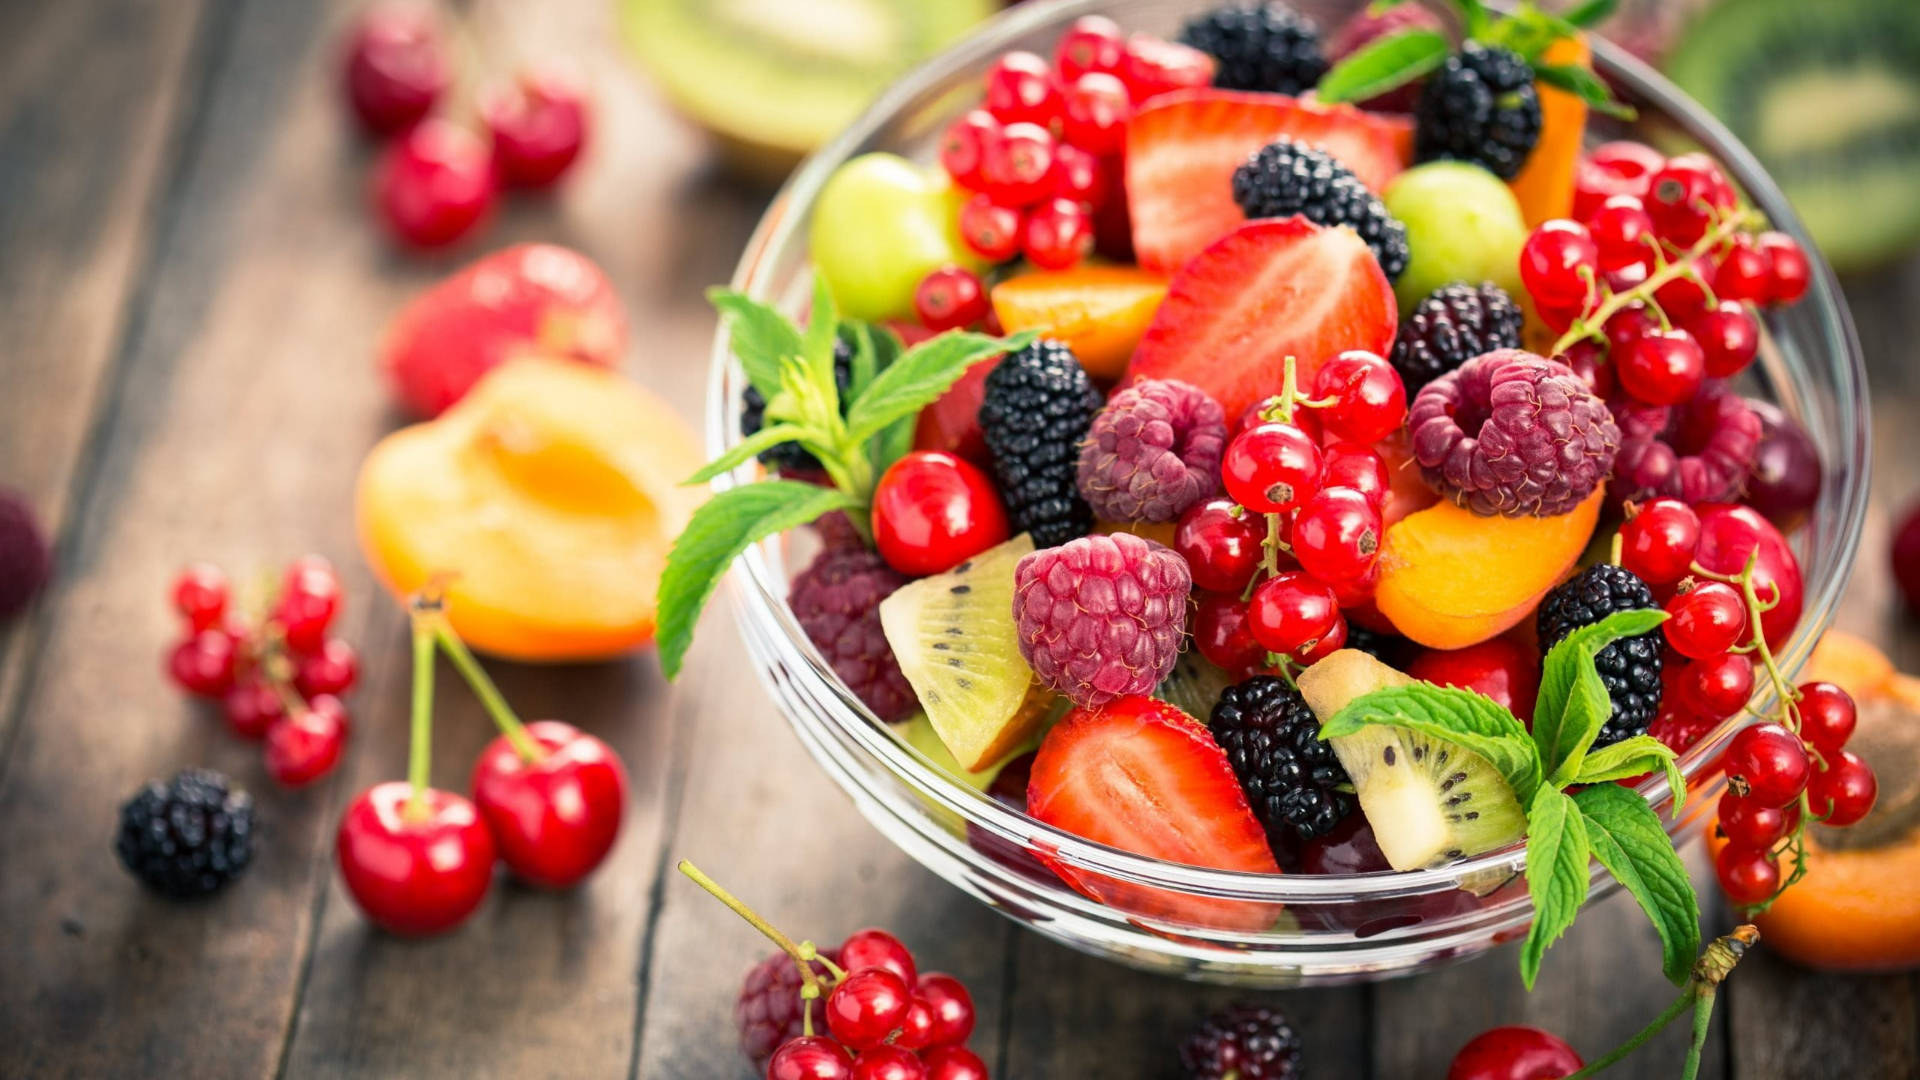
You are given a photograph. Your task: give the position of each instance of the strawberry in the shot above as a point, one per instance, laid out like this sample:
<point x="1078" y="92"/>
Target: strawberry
<point x="1268" y="290"/>
<point x="1182" y="150"/>
<point x="1144" y="777"/>
<point x="530" y="299"/>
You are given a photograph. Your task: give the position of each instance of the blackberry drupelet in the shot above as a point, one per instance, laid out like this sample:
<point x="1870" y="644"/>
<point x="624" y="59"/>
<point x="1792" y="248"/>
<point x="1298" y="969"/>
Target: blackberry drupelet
<point x="792" y="457"/>
<point x="1272" y="740"/>
<point x="1259" y="46"/>
<point x="1245" y="1041"/>
<point x="1630" y="667"/>
<point x="1450" y="326"/>
<point x="1287" y="177"/>
<point x="1389" y="649"/>
<point x="1480" y="107"/>
<point x="188" y="836"/>
<point x="1038" y="407"/>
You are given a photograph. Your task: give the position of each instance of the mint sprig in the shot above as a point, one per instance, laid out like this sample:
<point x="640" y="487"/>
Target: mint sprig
<point x="1566" y="829"/>
<point x="793" y="370"/>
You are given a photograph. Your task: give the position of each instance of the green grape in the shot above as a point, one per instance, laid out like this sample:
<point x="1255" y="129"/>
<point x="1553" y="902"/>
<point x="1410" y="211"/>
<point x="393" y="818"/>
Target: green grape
<point x="1463" y="224"/>
<point x="880" y="225"/>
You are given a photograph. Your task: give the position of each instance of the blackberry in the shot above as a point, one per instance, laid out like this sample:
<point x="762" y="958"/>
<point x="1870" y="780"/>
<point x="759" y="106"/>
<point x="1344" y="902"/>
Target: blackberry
<point x="188" y="836"/>
<point x="1630" y="667"/>
<point x="792" y="457"/>
<point x="1291" y="777"/>
<point x="1287" y="177"/>
<point x="1450" y="326"/>
<point x="1037" y="409"/>
<point x="1259" y="46"/>
<point x="1245" y="1041"/>
<point x="1480" y="107"/>
<point x="1389" y="649"/>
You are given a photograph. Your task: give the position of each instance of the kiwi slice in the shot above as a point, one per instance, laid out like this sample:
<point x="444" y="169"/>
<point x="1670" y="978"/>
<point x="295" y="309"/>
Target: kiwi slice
<point x="954" y="637"/>
<point x="1194" y="685"/>
<point x="775" y="80"/>
<point x="1827" y="95"/>
<point x="1429" y="801"/>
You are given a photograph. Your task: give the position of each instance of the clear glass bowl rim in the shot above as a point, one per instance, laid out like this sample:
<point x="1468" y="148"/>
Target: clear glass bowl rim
<point x="758" y="598"/>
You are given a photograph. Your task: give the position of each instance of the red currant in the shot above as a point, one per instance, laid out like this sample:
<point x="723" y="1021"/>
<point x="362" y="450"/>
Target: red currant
<point x="1560" y="263"/>
<point x="1357" y="592"/>
<point x="1020" y="88"/>
<point x="305" y="746"/>
<point x="951" y="1005"/>
<point x="309" y="599"/>
<point x="1658" y="541"/>
<point x="1843" y="792"/>
<point x="877" y="949"/>
<point x="1221" y="544"/>
<point x="1076" y="176"/>
<point x="1589" y="361"/>
<point x="1271" y="468"/>
<point x="866" y="1006"/>
<point x="204" y="663"/>
<point x="1369" y="400"/>
<point x="1223" y="634"/>
<point x="396" y="68"/>
<point x="1718" y="686"/>
<point x="1097" y="109"/>
<point x="332" y="669"/>
<point x="200" y="594"/>
<point x="954" y="1063"/>
<point x="1291" y="611"/>
<point x="1336" y="534"/>
<point x="963" y="146"/>
<point x="1686" y="296"/>
<point x="810" y="1057"/>
<point x="1789" y="272"/>
<point x="933" y="510"/>
<point x="251" y="707"/>
<point x="1827" y="716"/>
<point x="1330" y="642"/>
<point x="1682" y="196"/>
<point x="916" y="1030"/>
<point x="950" y="298"/>
<point x="991" y="230"/>
<point x="1350" y="465"/>
<point x="1729" y="337"/>
<point x="1615" y="168"/>
<point x="1016" y="168"/>
<point x="1742" y="274"/>
<point x="1151" y="66"/>
<point x="1729" y="536"/>
<point x="1750" y="825"/>
<point x="1749" y="876"/>
<point x="538" y="125"/>
<point x="1663" y="367"/>
<point x="1092" y="43"/>
<point x="888" y="1063"/>
<point x="1622" y="233"/>
<point x="1513" y="1053"/>
<point x="1770" y="761"/>
<point x="1057" y="234"/>
<point x="1706" y="620"/>
<point x="434" y="185"/>
<point x="1626" y="326"/>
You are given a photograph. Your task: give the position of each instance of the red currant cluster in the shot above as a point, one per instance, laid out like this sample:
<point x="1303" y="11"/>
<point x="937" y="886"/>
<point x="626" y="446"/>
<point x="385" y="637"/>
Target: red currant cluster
<point x="278" y="677"/>
<point x="1297" y="537"/>
<point x="1043" y="157"/>
<point x="438" y="180"/>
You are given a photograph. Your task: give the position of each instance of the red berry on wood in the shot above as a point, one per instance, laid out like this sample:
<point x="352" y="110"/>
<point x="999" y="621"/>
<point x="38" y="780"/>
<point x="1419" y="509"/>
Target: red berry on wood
<point x="877" y="948"/>
<point x="434" y="185"/>
<point x="538" y="124"/>
<point x="1513" y="1053"/>
<point x="414" y="873"/>
<point x="306" y="745"/>
<point x="200" y="595"/>
<point x="810" y="1057"/>
<point x="332" y="669"/>
<point x="951" y="1006"/>
<point x="204" y="663"/>
<point x="396" y="68"/>
<point x="555" y="817"/>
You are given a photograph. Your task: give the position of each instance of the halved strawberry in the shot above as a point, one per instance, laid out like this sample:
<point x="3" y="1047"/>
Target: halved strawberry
<point x="1142" y="776"/>
<point x="1267" y="290"/>
<point x="1183" y="147"/>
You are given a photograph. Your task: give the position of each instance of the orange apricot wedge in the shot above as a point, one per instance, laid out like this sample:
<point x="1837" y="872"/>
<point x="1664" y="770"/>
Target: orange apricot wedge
<point x="549" y="496"/>
<point x="1450" y="578"/>
<point x="1544" y="185"/>
<point x="1099" y="311"/>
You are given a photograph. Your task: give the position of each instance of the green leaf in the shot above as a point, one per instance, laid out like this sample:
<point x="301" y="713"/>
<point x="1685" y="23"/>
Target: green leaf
<point x="920" y="375"/>
<point x="1462" y="717"/>
<point x="1556" y="873"/>
<point x="721" y="529"/>
<point x="1475" y="15"/>
<point x="1625" y="835"/>
<point x="1391" y="61"/>
<point x="1584" y="84"/>
<point x="750" y="447"/>
<point x="1572" y="705"/>
<point x="865" y="360"/>
<point x="1590" y="12"/>
<point x="762" y="339"/>
<point x="892" y="443"/>
<point x="817" y="341"/>
<point x="1628" y="757"/>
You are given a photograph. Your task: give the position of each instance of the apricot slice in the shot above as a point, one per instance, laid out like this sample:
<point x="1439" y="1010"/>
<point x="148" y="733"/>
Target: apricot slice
<point x="1099" y="311"/>
<point x="549" y="494"/>
<point x="1544" y="186"/>
<point x="1450" y="578"/>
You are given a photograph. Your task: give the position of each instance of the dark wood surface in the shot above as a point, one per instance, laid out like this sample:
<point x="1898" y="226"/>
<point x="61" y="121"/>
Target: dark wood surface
<point x="190" y="292"/>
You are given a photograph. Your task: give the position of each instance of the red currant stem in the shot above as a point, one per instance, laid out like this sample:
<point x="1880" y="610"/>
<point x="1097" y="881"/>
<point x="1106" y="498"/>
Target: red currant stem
<point x="1290" y="395"/>
<point x="1270" y="548"/>
<point x="483" y="688"/>
<point x="1702" y="1020"/>
<point x="1716" y="962"/>
<point x="802" y="952"/>
<point x="1590" y="325"/>
<point x="1619" y="547"/>
<point x="420" y="747"/>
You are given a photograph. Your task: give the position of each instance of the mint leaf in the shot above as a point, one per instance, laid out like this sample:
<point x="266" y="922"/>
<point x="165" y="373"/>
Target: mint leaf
<point x="1585" y="85"/>
<point x="1628" y="757"/>
<point x="1573" y="705"/>
<point x="817" y="341"/>
<point x="1391" y="61"/>
<point x="1590" y="12"/>
<point x="1556" y="873"/>
<point x="750" y="447"/>
<point x="762" y="339"/>
<point x="720" y="530"/>
<point x="866" y="360"/>
<point x="1461" y="717"/>
<point x="1476" y="16"/>
<point x="920" y="375"/>
<point x="1625" y="835"/>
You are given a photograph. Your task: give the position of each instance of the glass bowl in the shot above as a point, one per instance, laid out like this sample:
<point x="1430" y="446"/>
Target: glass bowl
<point x="1263" y="930"/>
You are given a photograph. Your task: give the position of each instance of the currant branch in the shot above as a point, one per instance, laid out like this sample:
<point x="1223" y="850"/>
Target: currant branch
<point x="1716" y="962"/>
<point x="1591" y="324"/>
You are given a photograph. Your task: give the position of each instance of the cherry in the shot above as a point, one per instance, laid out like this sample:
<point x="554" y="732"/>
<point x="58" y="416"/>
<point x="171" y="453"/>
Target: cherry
<point x="1271" y="468"/>
<point x="866" y="1006"/>
<point x="251" y="707"/>
<point x="1622" y="233"/>
<point x="1499" y="668"/>
<point x="1096" y="112"/>
<point x="1657" y="543"/>
<point x="1336" y="534"/>
<point x="309" y="599"/>
<point x="933" y="510"/>
<point x="1559" y="263"/>
<point x="538" y="124"/>
<point x="305" y="746"/>
<point x="200" y="594"/>
<point x="1662" y="367"/>
<point x="1369" y="400"/>
<point x="434" y="186"/>
<point x="1706" y="620"/>
<point x="991" y="230"/>
<point x="1788" y="270"/>
<point x="1290" y="611"/>
<point x="1785" y="478"/>
<point x="555" y="815"/>
<point x="1682" y="196"/>
<point x="331" y="670"/>
<point x="950" y="298"/>
<point x="1742" y="274"/>
<point x="1749" y="876"/>
<point x="963" y="146"/>
<point x="1077" y="176"/>
<point x="395" y="68"/>
<point x="954" y="1063"/>
<point x="878" y="949"/>
<point x="1729" y="337"/>
<point x="1827" y="716"/>
<point x="1221" y="544"/>
<point x="1843" y="792"/>
<point x="1015" y="168"/>
<point x="810" y="1057"/>
<point x="1223" y="634"/>
<point x="1151" y="66"/>
<point x="1728" y="536"/>
<point x="1350" y="465"/>
<point x="204" y="663"/>
<point x="1748" y="824"/>
<point x="950" y="1005"/>
<point x="1514" y="1053"/>
<point x="888" y="1063"/>
<point x="1020" y="87"/>
<point x="1091" y="43"/>
<point x="1614" y="168"/>
<point x="1057" y="234"/>
<point x="1770" y="762"/>
<point x="414" y="866"/>
<point x="1718" y="686"/>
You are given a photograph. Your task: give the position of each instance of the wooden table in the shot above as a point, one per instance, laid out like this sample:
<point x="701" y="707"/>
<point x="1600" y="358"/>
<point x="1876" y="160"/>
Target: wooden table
<point x="191" y="289"/>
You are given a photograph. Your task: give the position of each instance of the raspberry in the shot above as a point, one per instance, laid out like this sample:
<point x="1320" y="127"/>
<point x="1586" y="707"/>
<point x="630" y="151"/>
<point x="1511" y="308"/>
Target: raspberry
<point x="1244" y="1041"/>
<point x="837" y="600"/>
<point x="1629" y="668"/>
<point x="1450" y="326"/>
<point x="1699" y="452"/>
<point x="24" y="559"/>
<point x="1152" y="452"/>
<point x="1037" y="408"/>
<point x="1272" y="740"/>
<point x="792" y="457"/>
<point x="1101" y="617"/>
<point x="1286" y="177"/>
<point x="1512" y="433"/>
<point x="189" y="836"/>
<point x="1259" y="46"/>
<point x="768" y="1010"/>
<point x="1481" y="107"/>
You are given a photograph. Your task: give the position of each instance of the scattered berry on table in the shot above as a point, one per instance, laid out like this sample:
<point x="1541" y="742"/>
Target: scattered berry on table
<point x="768" y="1010"/>
<point x="200" y="595"/>
<point x="1152" y="452"/>
<point x="1480" y="106"/>
<point x="557" y="816"/>
<point x="1259" y="46"/>
<point x="396" y="67"/>
<point x="1243" y="1041"/>
<point x="1514" y="1053"/>
<point x="251" y="707"/>
<point x="333" y="669"/>
<point x="866" y="1006"/>
<point x="1288" y="177"/>
<point x="25" y="560"/>
<point x="1103" y="616"/>
<point x="1292" y="779"/>
<point x="792" y="457"/>
<point x="309" y="600"/>
<point x="1450" y="326"/>
<point x="837" y="601"/>
<point x="204" y="663"/>
<point x="1630" y="667"/>
<point x="434" y="185"/>
<point x="188" y="836"/>
<point x="538" y="123"/>
<point x="813" y="1057"/>
<point x="1038" y="407"/>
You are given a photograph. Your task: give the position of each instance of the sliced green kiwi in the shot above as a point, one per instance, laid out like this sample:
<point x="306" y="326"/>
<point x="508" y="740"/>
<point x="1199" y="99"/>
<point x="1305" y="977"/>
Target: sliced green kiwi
<point x="777" y="79"/>
<point x="1827" y="95"/>
<point x="954" y="637"/>
<point x="1194" y="685"/>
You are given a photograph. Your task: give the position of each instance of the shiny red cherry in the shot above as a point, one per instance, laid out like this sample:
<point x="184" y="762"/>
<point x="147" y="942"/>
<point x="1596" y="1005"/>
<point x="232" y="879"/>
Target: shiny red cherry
<point x="555" y="817"/>
<point x="1514" y="1053"/>
<point x="412" y="869"/>
<point x="1503" y="670"/>
<point x="952" y="422"/>
<point x="952" y="1007"/>
<point x="538" y="123"/>
<point x="435" y="185"/>
<point x="954" y="1063"/>
<point x="396" y="67"/>
<point x="933" y="510"/>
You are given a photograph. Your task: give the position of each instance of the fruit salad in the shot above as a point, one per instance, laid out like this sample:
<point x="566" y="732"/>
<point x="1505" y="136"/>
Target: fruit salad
<point x="1286" y="449"/>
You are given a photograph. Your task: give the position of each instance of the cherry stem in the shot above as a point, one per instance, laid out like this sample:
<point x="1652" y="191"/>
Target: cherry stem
<point x="1589" y="326"/>
<point x="483" y="688"/>
<point x="1716" y="962"/>
<point x="420" y="748"/>
<point x="803" y="952"/>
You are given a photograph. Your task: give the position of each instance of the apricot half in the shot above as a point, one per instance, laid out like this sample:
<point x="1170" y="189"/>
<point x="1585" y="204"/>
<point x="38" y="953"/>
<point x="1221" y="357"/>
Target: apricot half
<point x="1450" y="578"/>
<point x="549" y="495"/>
<point x="1099" y="311"/>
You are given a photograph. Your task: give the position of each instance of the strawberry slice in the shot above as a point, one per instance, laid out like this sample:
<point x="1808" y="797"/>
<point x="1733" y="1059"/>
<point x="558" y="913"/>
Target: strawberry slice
<point x="1267" y="290"/>
<point x="1183" y="147"/>
<point x="1142" y="776"/>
